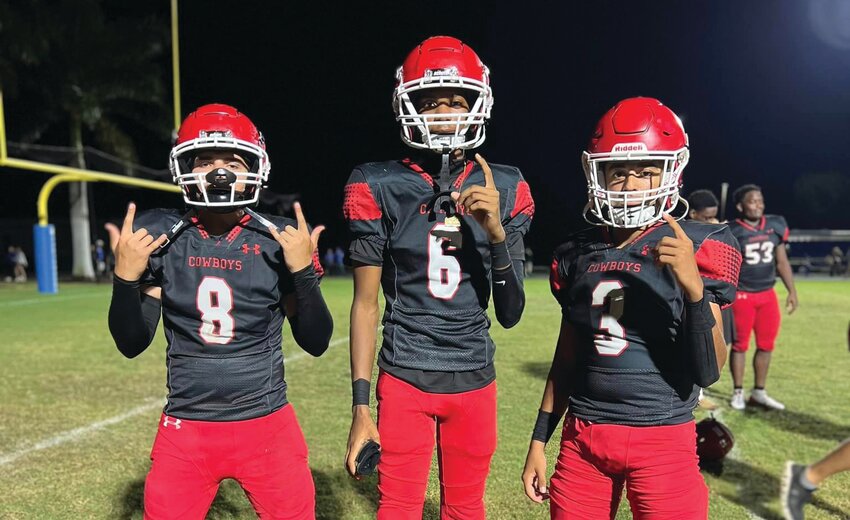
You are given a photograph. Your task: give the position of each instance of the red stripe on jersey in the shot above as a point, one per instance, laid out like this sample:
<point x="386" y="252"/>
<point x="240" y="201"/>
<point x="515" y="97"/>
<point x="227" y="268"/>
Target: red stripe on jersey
<point x="555" y="277"/>
<point x="719" y="261"/>
<point x="785" y="235"/>
<point x="359" y="203"/>
<point x="238" y="228"/>
<point x="317" y="266"/>
<point x="418" y="169"/>
<point x="523" y="202"/>
<point x="467" y="169"/>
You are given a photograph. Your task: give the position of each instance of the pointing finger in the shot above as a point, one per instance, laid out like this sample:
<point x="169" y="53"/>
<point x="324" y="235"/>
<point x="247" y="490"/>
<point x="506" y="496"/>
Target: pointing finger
<point x="677" y="229"/>
<point x="488" y="173"/>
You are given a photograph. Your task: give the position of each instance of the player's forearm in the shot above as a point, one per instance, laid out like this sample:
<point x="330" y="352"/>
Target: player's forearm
<point x="787" y="275"/>
<point x="720" y="351"/>
<point x="312" y="324"/>
<point x="556" y="394"/>
<point x="701" y="339"/>
<point x="133" y="317"/>
<point x="362" y="337"/>
<point x="508" y="291"/>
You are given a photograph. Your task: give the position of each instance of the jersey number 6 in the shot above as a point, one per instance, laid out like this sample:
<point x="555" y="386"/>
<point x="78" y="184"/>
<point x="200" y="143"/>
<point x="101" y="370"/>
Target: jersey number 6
<point x="443" y="270"/>
<point x="614" y="342"/>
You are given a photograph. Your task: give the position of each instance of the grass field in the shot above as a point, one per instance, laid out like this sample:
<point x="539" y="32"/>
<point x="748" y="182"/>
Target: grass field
<point x="77" y="420"/>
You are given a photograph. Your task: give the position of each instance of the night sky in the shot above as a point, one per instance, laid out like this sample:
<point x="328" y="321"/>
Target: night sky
<point x="763" y="89"/>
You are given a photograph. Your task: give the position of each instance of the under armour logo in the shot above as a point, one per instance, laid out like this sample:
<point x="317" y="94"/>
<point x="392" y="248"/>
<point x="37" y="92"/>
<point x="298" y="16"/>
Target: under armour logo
<point x="645" y="250"/>
<point x="166" y="420"/>
<point x="246" y="248"/>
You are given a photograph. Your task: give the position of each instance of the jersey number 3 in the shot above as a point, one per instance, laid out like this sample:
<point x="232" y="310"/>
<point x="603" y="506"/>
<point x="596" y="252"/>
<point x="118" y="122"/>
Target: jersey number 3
<point x="614" y="342"/>
<point x="215" y="301"/>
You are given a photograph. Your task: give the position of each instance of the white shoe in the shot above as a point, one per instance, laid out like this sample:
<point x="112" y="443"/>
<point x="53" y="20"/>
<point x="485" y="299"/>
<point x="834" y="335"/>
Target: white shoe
<point x="737" y="401"/>
<point x="761" y="398"/>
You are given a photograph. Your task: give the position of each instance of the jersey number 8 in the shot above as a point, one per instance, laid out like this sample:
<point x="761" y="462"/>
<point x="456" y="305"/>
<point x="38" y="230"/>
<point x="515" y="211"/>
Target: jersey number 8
<point x="215" y="301"/>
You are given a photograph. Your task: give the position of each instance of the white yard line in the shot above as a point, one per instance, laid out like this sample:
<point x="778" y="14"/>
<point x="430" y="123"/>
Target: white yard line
<point x="78" y="433"/>
<point x="84" y="431"/>
<point x="50" y="299"/>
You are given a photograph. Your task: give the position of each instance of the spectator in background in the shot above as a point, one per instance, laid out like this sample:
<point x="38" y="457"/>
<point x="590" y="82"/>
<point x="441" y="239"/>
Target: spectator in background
<point x="835" y="261"/>
<point x="330" y="261"/>
<point x="339" y="260"/>
<point x="20" y="264"/>
<point x="9" y="264"/>
<point x="99" y="257"/>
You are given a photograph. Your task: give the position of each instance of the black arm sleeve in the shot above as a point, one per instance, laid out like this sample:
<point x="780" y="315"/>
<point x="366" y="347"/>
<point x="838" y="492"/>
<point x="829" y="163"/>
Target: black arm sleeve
<point x="699" y="322"/>
<point x="133" y="317"/>
<point x="312" y="325"/>
<point x="508" y="293"/>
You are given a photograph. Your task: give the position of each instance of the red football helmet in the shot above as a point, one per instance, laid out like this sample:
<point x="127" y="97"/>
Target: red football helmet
<point x="635" y="129"/>
<point x="714" y="440"/>
<point x="219" y="127"/>
<point x="443" y="62"/>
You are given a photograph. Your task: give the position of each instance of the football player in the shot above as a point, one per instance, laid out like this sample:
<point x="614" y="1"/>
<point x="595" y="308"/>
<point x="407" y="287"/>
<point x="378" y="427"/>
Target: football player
<point x="223" y="277"/>
<point x="762" y="241"/>
<point x="438" y="233"/>
<point x="640" y="330"/>
<point x="703" y="208"/>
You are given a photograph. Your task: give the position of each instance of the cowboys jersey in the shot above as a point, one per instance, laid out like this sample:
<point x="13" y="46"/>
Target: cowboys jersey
<point x="436" y="292"/>
<point x="632" y="367"/>
<point x="758" y="245"/>
<point x="222" y="313"/>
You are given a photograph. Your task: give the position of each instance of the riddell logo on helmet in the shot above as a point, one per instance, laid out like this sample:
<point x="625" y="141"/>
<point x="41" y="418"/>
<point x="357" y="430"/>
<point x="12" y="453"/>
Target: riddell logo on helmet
<point x="215" y="133"/>
<point x="437" y="73"/>
<point x="628" y="147"/>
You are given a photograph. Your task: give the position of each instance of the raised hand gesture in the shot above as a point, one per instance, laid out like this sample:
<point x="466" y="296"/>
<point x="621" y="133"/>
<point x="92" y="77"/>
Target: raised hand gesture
<point x="132" y="249"/>
<point x="678" y="253"/>
<point x="298" y="243"/>
<point x="482" y="202"/>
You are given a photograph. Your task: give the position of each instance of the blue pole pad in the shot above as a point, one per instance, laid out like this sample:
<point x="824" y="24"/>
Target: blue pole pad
<point x="45" y="259"/>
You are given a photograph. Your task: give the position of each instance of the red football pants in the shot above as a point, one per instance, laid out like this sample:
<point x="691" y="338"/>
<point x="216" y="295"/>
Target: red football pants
<point x="408" y="421"/>
<point x="759" y="311"/>
<point x="657" y="464"/>
<point x="266" y="455"/>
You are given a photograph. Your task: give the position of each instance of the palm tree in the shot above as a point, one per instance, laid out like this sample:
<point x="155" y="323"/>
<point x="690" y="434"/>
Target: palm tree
<point x="96" y="71"/>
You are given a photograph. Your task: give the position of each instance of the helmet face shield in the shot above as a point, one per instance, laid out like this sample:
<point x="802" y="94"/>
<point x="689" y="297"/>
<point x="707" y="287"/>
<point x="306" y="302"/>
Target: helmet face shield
<point x="219" y="130"/>
<point x="635" y="130"/>
<point x="633" y="209"/>
<point x="443" y="62"/>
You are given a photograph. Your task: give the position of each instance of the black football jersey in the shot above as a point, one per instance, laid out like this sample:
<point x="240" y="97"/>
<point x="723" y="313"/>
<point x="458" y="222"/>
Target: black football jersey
<point x="222" y="314"/>
<point x="632" y="366"/>
<point x="758" y="246"/>
<point x="436" y="295"/>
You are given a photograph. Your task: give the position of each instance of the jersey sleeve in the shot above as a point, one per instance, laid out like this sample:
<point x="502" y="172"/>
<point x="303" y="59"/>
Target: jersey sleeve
<point x="363" y="215"/>
<point x="719" y="262"/>
<point x="517" y="221"/>
<point x="559" y="274"/>
<point x="155" y="222"/>
<point x="780" y="227"/>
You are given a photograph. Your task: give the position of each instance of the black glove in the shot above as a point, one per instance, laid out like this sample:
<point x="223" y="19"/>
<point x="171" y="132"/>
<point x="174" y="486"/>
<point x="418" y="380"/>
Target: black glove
<point x="367" y="458"/>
